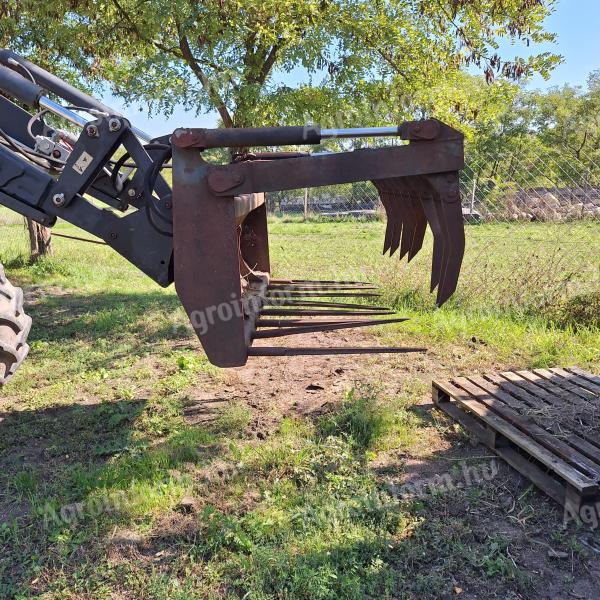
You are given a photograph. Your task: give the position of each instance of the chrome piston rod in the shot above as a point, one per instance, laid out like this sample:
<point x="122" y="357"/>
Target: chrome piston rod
<point x="357" y="132"/>
<point x="75" y="118"/>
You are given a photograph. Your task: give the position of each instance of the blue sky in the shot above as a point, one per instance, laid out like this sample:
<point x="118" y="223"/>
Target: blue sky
<point x="577" y="23"/>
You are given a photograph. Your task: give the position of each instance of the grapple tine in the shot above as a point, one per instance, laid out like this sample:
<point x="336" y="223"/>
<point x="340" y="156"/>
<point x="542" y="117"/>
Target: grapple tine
<point x="318" y="327"/>
<point x="420" y="220"/>
<point x="389" y="228"/>
<point x="439" y="239"/>
<point x="408" y="224"/>
<point x="399" y="223"/>
<point x="389" y="199"/>
<point x="451" y="220"/>
<point x="278" y="351"/>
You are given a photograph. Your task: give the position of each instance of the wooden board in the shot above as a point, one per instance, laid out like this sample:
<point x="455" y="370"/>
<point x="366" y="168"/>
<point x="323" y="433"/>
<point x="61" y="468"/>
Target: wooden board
<point x="545" y="423"/>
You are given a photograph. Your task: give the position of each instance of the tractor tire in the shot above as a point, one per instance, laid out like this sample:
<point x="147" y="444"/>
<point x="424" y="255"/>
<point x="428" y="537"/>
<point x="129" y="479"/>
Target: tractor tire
<point x="14" y="329"/>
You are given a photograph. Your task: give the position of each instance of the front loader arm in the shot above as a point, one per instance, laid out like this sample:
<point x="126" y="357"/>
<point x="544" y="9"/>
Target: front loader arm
<point x="141" y="234"/>
<point x="63" y="184"/>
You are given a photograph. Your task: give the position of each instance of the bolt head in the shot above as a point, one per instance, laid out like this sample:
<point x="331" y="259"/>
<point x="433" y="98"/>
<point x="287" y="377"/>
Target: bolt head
<point x="131" y="192"/>
<point x="91" y="130"/>
<point x="113" y="235"/>
<point x="114" y="124"/>
<point x="58" y="199"/>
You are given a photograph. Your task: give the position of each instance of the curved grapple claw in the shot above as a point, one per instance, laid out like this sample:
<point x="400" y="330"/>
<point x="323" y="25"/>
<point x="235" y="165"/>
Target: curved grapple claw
<point x="412" y="202"/>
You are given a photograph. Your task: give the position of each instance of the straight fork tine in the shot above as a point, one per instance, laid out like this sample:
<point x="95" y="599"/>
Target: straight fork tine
<point x="321" y="327"/>
<point x="317" y="282"/>
<point x="300" y="322"/>
<point x="276" y="312"/>
<point x="320" y="288"/>
<point x="278" y="351"/>
<point x="275" y="294"/>
<point x="317" y="304"/>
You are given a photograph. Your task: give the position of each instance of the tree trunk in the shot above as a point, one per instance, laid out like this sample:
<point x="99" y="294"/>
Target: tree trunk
<point x="40" y="239"/>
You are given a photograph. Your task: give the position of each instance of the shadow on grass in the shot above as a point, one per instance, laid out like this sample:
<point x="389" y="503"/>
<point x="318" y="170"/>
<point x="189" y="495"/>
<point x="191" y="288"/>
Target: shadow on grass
<point x="70" y="474"/>
<point x="40" y="453"/>
<point x="35" y="438"/>
<point x="65" y="316"/>
<point x="104" y="329"/>
<point x="325" y="525"/>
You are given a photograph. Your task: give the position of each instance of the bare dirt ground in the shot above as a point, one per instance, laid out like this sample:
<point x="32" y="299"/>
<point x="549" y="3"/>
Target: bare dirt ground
<point x="497" y="538"/>
<point x="521" y="526"/>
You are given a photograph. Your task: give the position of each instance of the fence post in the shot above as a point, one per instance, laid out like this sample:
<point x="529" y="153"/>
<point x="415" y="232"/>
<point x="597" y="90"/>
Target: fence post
<point x="305" y="203"/>
<point x="473" y="196"/>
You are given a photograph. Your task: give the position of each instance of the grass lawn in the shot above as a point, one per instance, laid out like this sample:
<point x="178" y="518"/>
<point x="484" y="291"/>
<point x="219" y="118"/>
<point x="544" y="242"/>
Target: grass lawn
<point x="109" y="489"/>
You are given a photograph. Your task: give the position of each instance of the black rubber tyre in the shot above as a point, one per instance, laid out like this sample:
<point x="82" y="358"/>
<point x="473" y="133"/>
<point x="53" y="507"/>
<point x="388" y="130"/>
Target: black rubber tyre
<point x="14" y="329"/>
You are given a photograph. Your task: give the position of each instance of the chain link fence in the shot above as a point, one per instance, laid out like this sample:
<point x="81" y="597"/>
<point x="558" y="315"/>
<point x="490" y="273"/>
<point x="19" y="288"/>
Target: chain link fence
<point x="532" y="226"/>
<point x="533" y="230"/>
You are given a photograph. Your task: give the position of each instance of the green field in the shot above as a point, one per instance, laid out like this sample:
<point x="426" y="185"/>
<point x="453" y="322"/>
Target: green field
<point x="96" y="418"/>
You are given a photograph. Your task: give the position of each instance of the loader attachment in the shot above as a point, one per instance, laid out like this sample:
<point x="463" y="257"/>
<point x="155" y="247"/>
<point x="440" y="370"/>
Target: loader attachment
<point x="209" y="233"/>
<point x="222" y="268"/>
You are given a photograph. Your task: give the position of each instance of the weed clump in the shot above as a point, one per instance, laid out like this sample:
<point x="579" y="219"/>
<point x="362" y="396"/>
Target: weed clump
<point x="579" y="311"/>
<point x="361" y="418"/>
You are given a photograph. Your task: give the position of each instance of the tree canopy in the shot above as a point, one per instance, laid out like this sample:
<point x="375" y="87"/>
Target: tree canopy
<point x="233" y="55"/>
<point x="550" y="137"/>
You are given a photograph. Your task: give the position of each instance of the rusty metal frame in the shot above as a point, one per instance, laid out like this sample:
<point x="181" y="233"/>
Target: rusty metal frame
<point x="418" y="184"/>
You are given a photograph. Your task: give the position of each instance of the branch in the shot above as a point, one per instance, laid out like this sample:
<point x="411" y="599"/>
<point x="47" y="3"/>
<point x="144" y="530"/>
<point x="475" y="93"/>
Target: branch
<point x="390" y="60"/>
<point x="578" y="152"/>
<point x="183" y="51"/>
<point x="125" y="15"/>
<point x="188" y="56"/>
<point x="269" y="61"/>
<point x="476" y="55"/>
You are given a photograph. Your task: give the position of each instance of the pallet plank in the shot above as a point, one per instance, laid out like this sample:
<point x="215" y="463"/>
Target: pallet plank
<point x="530" y="428"/>
<point x="578" y="443"/>
<point x="580" y="381"/>
<point x="466" y="420"/>
<point x="589" y="376"/>
<point x="535" y="391"/>
<point x="549" y="398"/>
<point x="583" y="404"/>
<point x="531" y="471"/>
<point x="579" y="481"/>
<point x="496" y="391"/>
<point x="530" y="400"/>
<point x="568" y="384"/>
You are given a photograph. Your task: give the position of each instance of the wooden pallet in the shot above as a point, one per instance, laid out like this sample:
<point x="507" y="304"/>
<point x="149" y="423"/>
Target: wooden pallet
<point x="545" y="423"/>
